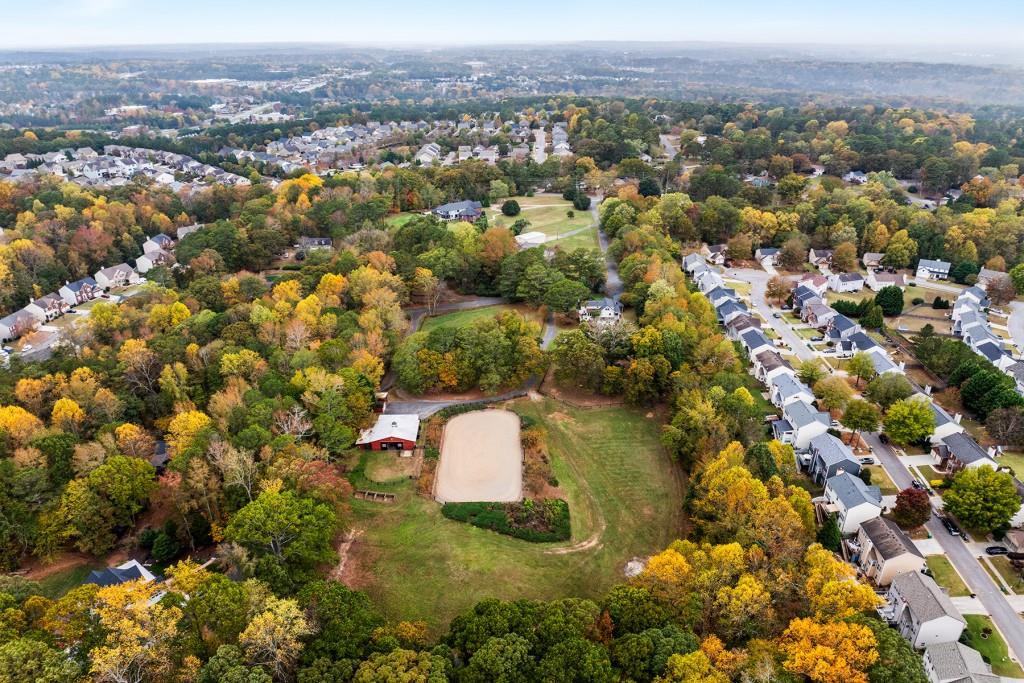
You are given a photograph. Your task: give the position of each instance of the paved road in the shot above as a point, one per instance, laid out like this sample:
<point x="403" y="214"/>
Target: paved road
<point x="1015" y="324"/>
<point x="758" y="280"/>
<point x="612" y="283"/>
<point x="958" y="552"/>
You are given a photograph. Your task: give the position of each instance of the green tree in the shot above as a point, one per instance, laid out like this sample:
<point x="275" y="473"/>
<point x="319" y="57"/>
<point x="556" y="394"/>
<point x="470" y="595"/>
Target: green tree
<point x="897" y="661"/>
<point x="900" y="251"/>
<point x="909" y="421"/>
<point x="833" y="392"/>
<point x="891" y="300"/>
<point x="565" y="295"/>
<point x="504" y="659"/>
<point x="344" y="619"/>
<point x="1017" y="276"/>
<point x="228" y="665"/>
<point x="810" y="372"/>
<point x="860" y="416"/>
<point x="26" y="660"/>
<point x="402" y="666"/>
<point x="510" y="207"/>
<point x="872" y="318"/>
<point x="578" y="360"/>
<point x="633" y="609"/>
<point x="888" y="388"/>
<point x="829" y="535"/>
<point x="576" y="661"/>
<point x="982" y="498"/>
<point x="860" y="366"/>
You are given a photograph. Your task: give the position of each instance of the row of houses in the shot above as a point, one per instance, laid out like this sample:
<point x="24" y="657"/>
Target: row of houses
<point x="971" y="324"/>
<point x="156" y="251"/>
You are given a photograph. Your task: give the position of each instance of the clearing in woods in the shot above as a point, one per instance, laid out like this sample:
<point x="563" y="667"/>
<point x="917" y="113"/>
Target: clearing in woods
<point x="625" y="496"/>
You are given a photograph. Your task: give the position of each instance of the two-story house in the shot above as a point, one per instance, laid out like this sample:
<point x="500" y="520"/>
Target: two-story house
<point x="959" y="451"/>
<point x="800" y="423"/>
<point x="956" y="663"/>
<point x="116" y="276"/>
<point x="47" y="307"/>
<point x="852" y="501"/>
<point x="785" y="388"/>
<point x="929" y="269"/>
<point x="882" y="551"/>
<point x="601" y="310"/>
<point x="830" y="457"/>
<point x="921" y="612"/>
<point x="79" y="291"/>
<point x="846" y="282"/>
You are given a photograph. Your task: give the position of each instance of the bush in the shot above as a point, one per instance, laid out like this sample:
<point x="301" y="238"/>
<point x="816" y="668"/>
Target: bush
<point x="581" y="203"/>
<point x="510" y="208"/>
<point x="540" y="521"/>
<point x="939" y="303"/>
<point x="917" y="301"/>
<point x="912" y="189"/>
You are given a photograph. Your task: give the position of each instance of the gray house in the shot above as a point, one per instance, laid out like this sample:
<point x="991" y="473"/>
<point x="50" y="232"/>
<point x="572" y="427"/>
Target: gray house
<point x="830" y="457"/>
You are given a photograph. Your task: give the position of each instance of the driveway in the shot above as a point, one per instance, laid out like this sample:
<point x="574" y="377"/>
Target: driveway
<point x="758" y="280"/>
<point x="959" y="553"/>
<point x="612" y="283"/>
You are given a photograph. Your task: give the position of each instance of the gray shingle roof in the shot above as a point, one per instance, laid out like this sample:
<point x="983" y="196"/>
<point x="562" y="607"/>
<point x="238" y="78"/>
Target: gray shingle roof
<point x="935" y="266"/>
<point x="754" y="338"/>
<point x="852" y="491"/>
<point x="888" y="539"/>
<point x="830" y="450"/>
<point x="959" y="663"/>
<point x="801" y="414"/>
<point x="964" y="448"/>
<point x="925" y="599"/>
<point x="787" y="386"/>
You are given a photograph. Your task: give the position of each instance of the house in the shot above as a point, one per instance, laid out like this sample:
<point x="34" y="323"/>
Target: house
<point x="855" y="177"/>
<point x="740" y="324"/>
<point x="115" y="276"/>
<point x="872" y="259"/>
<point x="815" y="282"/>
<point x="829" y="457"/>
<point x="882" y="551"/>
<point x="994" y="352"/>
<point x="728" y="309"/>
<point x="819" y="257"/>
<point x="79" y="291"/>
<point x="767" y="256"/>
<point x="959" y="451"/>
<point x="308" y="245"/>
<point x="602" y="310"/>
<point x="769" y="365"/>
<point x="846" y="282"/>
<point x="945" y="424"/>
<point x="800" y="423"/>
<point x="841" y="327"/>
<point x="754" y="342"/>
<point x="862" y="342"/>
<point x="153" y="259"/>
<point x="716" y="254"/>
<point x="459" y="211"/>
<point x="878" y="280"/>
<point x="16" y="324"/>
<point x="852" y="501"/>
<point x="927" y="269"/>
<point x="720" y="294"/>
<point x="986" y="276"/>
<point x="882" y="363"/>
<point x="976" y="294"/>
<point x="1016" y="371"/>
<point x="131" y="570"/>
<point x="691" y="261"/>
<point x="784" y="388"/>
<point x="160" y="242"/>
<point x="398" y="432"/>
<point x="817" y="314"/>
<point x="47" y="307"/>
<point x="804" y="295"/>
<point x="708" y="280"/>
<point x="954" y="662"/>
<point x="921" y="612"/>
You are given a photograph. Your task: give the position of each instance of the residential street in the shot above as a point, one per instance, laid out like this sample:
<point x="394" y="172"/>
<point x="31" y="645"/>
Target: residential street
<point x="758" y="280"/>
<point x="958" y="552"/>
<point x="1015" y="324"/>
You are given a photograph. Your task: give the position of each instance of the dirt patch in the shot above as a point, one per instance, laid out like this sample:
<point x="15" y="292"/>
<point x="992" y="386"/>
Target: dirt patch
<point x="36" y="570"/>
<point x="344" y="550"/>
<point x="562" y="417"/>
<point x="388" y="467"/>
<point x="481" y="459"/>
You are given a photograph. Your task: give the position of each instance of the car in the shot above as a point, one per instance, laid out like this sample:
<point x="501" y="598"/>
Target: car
<point x="951" y="527"/>
<point x="917" y="485"/>
<point x="866" y="460"/>
<point x="996" y="550"/>
<point x="884" y="438"/>
<point x="819" y="338"/>
<point x="26" y="347"/>
<point x="776" y="315"/>
<point x="836" y="423"/>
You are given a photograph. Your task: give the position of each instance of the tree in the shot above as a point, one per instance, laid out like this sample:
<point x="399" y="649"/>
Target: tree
<point x="860" y="366"/>
<point x="575" y="660"/>
<point x="888" y="388"/>
<point x="913" y="508"/>
<point x="1006" y="426"/>
<point x="565" y="295"/>
<point x="23" y="659"/>
<point x="909" y="421"/>
<point x="844" y="258"/>
<point x="1001" y="290"/>
<point x="778" y="289"/>
<point x="510" y="208"/>
<point x="890" y="299"/>
<point x="982" y="498"/>
<point x="739" y="247"/>
<point x="1017" y="277"/>
<point x="402" y="666"/>
<point x="274" y="638"/>
<point x="872" y="318"/>
<point x="810" y="372"/>
<point x="504" y="659"/>
<point x="345" y="620"/>
<point x="860" y="416"/>
<point x="835" y="652"/>
<point x="578" y="359"/>
<point x="793" y="254"/>
<point x="829" y="534"/>
<point x="900" y="250"/>
<point x="833" y="392"/>
<point x="139" y="634"/>
<point x="897" y="662"/>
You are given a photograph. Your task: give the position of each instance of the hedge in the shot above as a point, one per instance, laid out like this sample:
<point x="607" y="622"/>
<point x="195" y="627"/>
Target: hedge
<point x="541" y="521"/>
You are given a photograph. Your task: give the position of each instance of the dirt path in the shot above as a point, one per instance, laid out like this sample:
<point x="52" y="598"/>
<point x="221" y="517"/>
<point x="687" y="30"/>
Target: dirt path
<point x="343" y="550"/>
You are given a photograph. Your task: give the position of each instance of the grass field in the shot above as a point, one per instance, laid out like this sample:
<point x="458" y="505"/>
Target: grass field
<point x="881" y="479"/>
<point x="463" y="318"/>
<point x="945" y="575"/>
<point x="549" y="216"/>
<point x="625" y="497"/>
<point x="400" y="219"/>
<point x="57" y="584"/>
<point x="993" y="648"/>
<point x="1010" y="575"/>
<point x="1013" y="460"/>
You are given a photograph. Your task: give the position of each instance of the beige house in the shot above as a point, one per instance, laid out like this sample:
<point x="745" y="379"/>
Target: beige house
<point x="882" y="551"/>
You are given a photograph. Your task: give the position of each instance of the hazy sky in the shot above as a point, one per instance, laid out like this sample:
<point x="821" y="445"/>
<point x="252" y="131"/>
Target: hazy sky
<point x="68" y="23"/>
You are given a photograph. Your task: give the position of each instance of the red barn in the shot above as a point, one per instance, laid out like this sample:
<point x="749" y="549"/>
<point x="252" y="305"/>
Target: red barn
<point x="397" y="432"/>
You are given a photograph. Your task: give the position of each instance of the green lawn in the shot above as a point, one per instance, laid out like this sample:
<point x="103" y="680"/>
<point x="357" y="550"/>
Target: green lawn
<point x="993" y="648"/>
<point x="549" y="216"/>
<point x="57" y="584"/>
<point x="881" y="479"/>
<point x="625" y="496"/>
<point x="946" y="576"/>
<point x="400" y="219"/>
<point x="1010" y="575"/>
<point x="463" y="318"/>
<point x="1013" y="460"/>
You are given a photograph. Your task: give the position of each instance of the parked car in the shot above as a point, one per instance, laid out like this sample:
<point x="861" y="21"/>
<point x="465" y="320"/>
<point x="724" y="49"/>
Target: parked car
<point x="996" y="550"/>
<point x="819" y="338"/>
<point x="917" y="485"/>
<point x="883" y="437"/>
<point x="866" y="460"/>
<point x="776" y="315"/>
<point x="951" y="527"/>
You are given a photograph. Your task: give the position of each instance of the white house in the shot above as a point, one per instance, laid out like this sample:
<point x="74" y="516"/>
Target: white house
<point x="921" y="612"/>
<point x="830" y="457"/>
<point x="945" y="424"/>
<point x="877" y="280"/>
<point x="928" y="269"/>
<point x="691" y="261"/>
<point x="48" y="307"/>
<point x="846" y="282"/>
<point x="882" y="551"/>
<point x="601" y="310"/>
<point x="819" y="257"/>
<point x="116" y="276"/>
<point x="79" y="291"/>
<point x="815" y="283"/>
<point x="800" y="423"/>
<point x="153" y="259"/>
<point x="16" y="324"/>
<point x="159" y="242"/>
<point x="784" y="388"/>
<point x="766" y="256"/>
<point x="956" y="663"/>
<point x="754" y="342"/>
<point x="852" y="501"/>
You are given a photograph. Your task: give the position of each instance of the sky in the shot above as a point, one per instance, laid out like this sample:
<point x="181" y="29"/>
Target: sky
<point x="74" y="23"/>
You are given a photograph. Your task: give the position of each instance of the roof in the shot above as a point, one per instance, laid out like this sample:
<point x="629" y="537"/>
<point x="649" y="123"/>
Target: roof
<point x="780" y="427"/>
<point x="766" y="251"/>
<point x="801" y="414"/>
<point x="960" y="664"/>
<point x="924" y="598"/>
<point x="831" y="450"/>
<point x="850" y="277"/>
<point x="975" y="291"/>
<point x="78" y="284"/>
<point x="937" y="266"/>
<point x="1016" y="371"/>
<point x="988" y="274"/>
<point x="465" y="206"/>
<point x="888" y="539"/>
<point x="13" y="318"/>
<point x="841" y="323"/>
<point x="814" y="279"/>
<point x="872" y="257"/>
<point x="113" y="270"/>
<point x="965" y="448"/>
<point x="788" y="386"/>
<point x="852" y="491"/>
<point x="388" y="426"/>
<point x="862" y="341"/>
<point x="938" y="412"/>
<point x="692" y="259"/>
<point x="770" y="360"/>
<point x="990" y="350"/>
<point x="742" y="322"/>
<point x="112" y="576"/>
<point x="754" y="338"/>
<point x="803" y="292"/>
<point x="880" y="361"/>
<point x="726" y="306"/>
<point x="603" y="303"/>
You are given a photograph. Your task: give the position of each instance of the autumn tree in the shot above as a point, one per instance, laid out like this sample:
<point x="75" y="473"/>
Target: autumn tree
<point x="834" y="652"/>
<point x="274" y="637"/>
<point x="913" y="508"/>
<point x="861" y="366"/>
<point x="860" y="416"/>
<point x="139" y="634"/>
<point x="982" y="498"/>
<point x="909" y="421"/>
<point x="778" y="289"/>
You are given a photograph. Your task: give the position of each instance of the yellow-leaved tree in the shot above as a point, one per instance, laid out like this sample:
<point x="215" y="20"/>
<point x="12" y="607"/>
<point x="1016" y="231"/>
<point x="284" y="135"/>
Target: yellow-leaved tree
<point x="138" y="634"/>
<point x="829" y="652"/>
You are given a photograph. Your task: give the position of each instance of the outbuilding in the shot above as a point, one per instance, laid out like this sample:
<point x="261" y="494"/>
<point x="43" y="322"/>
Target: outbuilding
<point x="392" y="432"/>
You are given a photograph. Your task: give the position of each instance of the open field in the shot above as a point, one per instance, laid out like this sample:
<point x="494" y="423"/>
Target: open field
<point x="946" y="576"/>
<point x="1013" y="460"/>
<point x="993" y="648"/>
<point x="625" y="497"/>
<point x="549" y="216"/>
<point x="481" y="459"/>
<point x="400" y="219"/>
<point x="463" y="318"/>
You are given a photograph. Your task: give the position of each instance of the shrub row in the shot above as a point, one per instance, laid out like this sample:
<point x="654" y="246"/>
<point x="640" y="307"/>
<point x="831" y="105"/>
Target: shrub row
<point x="540" y="521"/>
